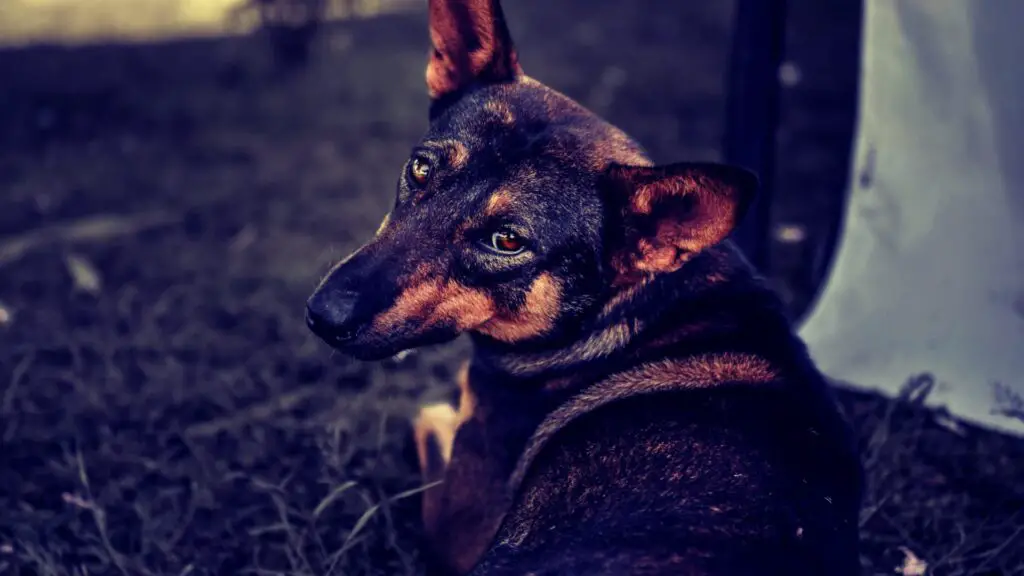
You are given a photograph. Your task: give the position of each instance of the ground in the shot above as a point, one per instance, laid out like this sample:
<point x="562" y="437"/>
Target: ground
<point x="166" y="210"/>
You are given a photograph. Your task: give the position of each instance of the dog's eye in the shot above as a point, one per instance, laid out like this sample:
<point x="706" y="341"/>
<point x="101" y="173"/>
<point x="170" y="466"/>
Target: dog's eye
<point x="420" y="170"/>
<point x="506" y="242"/>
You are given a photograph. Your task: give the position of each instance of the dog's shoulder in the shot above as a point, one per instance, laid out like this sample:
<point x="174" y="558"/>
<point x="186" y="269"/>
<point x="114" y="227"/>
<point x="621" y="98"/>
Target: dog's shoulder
<point x="661" y="377"/>
<point x="683" y="458"/>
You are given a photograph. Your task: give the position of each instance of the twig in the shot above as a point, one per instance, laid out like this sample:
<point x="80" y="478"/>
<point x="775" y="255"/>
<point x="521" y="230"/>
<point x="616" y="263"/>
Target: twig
<point x="260" y="411"/>
<point x="334" y="495"/>
<point x="999" y="549"/>
<point x="97" y="515"/>
<point x="17" y="375"/>
<point x="869" y="512"/>
<point x="368" y="515"/>
<point x="1012" y="403"/>
<point x="89" y="229"/>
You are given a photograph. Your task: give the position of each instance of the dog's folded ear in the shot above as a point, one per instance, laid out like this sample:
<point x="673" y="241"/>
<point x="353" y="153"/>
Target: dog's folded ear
<point x="471" y="45"/>
<point x="663" y="215"/>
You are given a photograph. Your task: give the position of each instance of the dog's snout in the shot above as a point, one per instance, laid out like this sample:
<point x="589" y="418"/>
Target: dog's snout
<point x="331" y="315"/>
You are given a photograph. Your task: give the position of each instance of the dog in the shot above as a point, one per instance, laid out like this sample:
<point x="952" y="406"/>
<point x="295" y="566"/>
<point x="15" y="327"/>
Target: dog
<point x="637" y="401"/>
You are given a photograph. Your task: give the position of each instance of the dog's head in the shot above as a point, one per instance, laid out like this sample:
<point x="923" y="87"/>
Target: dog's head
<point x="518" y="212"/>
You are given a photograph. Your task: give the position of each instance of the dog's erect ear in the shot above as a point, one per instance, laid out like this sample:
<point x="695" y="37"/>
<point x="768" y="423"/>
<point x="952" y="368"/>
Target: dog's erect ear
<point x="471" y="45"/>
<point x="666" y="214"/>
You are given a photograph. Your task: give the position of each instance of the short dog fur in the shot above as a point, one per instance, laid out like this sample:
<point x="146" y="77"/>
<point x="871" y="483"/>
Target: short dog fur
<point x="637" y="402"/>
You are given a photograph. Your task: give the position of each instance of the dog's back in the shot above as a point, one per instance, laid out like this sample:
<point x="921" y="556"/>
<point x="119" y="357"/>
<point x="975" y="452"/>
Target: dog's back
<point x="684" y="482"/>
<point x="719" y="455"/>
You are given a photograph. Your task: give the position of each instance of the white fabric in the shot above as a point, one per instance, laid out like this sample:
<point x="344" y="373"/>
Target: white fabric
<point x="929" y="274"/>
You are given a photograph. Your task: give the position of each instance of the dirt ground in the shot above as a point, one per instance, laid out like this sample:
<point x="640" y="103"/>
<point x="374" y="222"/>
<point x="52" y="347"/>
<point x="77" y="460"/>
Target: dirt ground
<point x="166" y="209"/>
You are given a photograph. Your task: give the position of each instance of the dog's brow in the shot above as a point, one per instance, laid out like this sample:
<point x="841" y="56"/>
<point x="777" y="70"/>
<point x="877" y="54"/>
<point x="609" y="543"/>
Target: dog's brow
<point x="501" y="111"/>
<point x="455" y="152"/>
<point x="499" y="201"/>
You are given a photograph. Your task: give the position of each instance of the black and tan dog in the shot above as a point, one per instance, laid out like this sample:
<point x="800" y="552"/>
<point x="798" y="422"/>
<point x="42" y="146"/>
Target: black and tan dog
<point x="637" y="402"/>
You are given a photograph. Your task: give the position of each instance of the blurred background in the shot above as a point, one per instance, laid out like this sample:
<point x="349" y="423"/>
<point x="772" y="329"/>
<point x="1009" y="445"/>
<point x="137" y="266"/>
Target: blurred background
<point x="175" y="176"/>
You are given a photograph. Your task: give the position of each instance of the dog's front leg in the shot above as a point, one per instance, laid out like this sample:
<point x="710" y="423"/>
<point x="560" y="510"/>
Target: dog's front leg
<point x="462" y="514"/>
<point x="434" y="430"/>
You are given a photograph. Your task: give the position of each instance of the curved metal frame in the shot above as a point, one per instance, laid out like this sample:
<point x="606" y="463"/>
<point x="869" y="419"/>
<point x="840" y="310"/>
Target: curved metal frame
<point x="752" y="111"/>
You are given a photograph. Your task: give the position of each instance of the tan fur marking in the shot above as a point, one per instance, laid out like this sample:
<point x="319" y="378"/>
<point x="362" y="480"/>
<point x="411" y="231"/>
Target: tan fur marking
<point x="536" y="316"/>
<point x="434" y="429"/>
<point x="442" y="421"/>
<point x="457" y="152"/>
<point x="436" y="422"/>
<point x="430" y="302"/>
<point x="498" y="202"/>
<point x="414" y="302"/>
<point x="466" y="307"/>
<point x="462" y="515"/>
<point x="433" y="303"/>
<point x="703" y="371"/>
<point x="467" y="401"/>
<point x="501" y="110"/>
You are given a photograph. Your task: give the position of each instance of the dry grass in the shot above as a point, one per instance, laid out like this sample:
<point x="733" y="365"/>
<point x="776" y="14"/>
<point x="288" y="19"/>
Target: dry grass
<point x="945" y="492"/>
<point x="163" y="409"/>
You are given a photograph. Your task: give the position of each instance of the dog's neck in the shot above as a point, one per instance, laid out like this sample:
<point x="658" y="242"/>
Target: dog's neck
<point x="713" y="297"/>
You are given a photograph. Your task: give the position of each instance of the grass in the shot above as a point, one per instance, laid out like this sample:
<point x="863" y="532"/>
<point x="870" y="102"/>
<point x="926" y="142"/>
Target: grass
<point x="166" y="210"/>
<point x="939" y="489"/>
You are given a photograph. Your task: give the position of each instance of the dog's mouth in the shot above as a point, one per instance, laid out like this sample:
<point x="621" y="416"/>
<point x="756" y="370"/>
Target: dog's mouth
<point x="364" y="345"/>
<point x="342" y="320"/>
<point x="364" y="354"/>
<point x="368" y="353"/>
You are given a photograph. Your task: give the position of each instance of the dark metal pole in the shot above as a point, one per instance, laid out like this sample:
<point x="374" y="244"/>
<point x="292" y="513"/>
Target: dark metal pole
<point x="752" y="112"/>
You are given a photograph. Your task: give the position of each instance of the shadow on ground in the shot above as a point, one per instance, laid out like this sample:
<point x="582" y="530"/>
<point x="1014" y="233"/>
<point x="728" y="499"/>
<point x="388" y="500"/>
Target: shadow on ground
<point x="166" y="209"/>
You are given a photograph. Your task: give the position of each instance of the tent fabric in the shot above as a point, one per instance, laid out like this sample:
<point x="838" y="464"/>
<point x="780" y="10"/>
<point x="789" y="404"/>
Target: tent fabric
<point x="929" y="272"/>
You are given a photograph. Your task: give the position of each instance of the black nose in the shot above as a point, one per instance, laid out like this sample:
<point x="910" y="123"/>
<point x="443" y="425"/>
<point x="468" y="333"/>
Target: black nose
<point x="330" y="314"/>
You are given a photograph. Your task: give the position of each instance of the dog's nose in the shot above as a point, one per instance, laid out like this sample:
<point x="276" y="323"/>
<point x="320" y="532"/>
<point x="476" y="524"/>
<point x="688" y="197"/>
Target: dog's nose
<point x="331" y="315"/>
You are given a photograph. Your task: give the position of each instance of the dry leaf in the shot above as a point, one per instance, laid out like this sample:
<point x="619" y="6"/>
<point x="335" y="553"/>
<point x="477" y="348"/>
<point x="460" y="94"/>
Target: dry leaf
<point x="912" y="565"/>
<point x="243" y="239"/>
<point x="83" y="274"/>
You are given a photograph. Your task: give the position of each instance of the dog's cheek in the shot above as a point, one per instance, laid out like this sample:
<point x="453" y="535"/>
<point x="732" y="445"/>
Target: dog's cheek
<point x="536" y="316"/>
<point x="463" y="307"/>
<point x="412" y="306"/>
